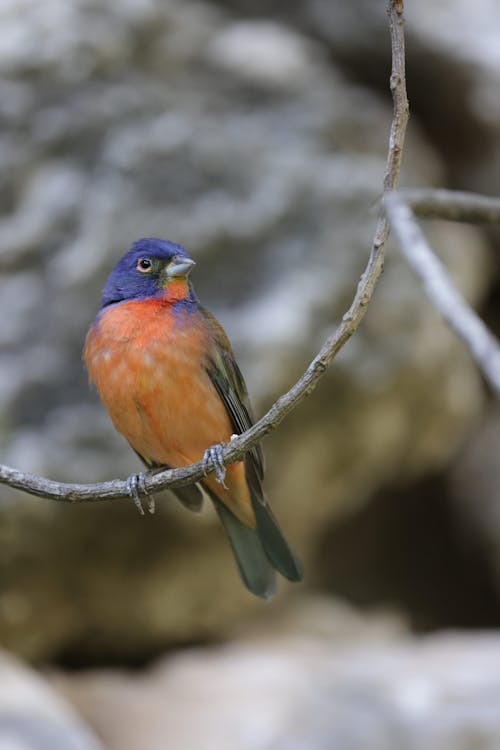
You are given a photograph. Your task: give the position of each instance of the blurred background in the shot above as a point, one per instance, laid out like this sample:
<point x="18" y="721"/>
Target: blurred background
<point x="254" y="133"/>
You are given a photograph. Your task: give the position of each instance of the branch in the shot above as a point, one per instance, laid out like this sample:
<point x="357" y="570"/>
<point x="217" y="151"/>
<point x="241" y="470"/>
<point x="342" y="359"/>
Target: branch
<point x="453" y="205"/>
<point x="439" y="288"/>
<point x="118" y="489"/>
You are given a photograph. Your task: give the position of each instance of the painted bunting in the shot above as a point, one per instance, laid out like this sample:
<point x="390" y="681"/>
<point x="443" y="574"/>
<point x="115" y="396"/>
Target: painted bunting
<point x="165" y="370"/>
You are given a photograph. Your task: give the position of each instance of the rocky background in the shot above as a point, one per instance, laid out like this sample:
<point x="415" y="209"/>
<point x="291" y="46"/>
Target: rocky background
<point x="253" y="133"/>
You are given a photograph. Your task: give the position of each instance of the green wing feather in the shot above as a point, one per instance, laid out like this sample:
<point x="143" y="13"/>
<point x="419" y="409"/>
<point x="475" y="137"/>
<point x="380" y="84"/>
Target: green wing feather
<point x="228" y="380"/>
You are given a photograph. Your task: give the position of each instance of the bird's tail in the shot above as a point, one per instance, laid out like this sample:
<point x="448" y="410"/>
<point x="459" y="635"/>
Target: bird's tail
<point x="259" y="551"/>
<point x="276" y="547"/>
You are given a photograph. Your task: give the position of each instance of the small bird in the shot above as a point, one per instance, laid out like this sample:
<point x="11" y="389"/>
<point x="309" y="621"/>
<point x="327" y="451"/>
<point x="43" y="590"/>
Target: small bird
<point x="165" y="370"/>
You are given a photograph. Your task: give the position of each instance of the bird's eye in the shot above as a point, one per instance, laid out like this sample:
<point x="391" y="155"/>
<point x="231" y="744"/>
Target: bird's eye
<point x="144" y="265"/>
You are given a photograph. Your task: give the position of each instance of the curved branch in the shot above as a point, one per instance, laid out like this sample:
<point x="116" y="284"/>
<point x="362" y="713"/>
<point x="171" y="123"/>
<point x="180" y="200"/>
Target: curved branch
<point x="453" y="205"/>
<point x="118" y="489"/>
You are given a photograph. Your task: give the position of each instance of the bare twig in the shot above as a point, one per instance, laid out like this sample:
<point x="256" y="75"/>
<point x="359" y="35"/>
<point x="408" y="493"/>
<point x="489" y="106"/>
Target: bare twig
<point x="285" y="404"/>
<point x="453" y="205"/>
<point x="439" y="288"/>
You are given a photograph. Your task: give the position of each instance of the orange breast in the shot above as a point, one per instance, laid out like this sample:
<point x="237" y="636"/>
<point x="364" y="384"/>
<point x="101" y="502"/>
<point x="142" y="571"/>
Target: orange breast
<point x="148" y="364"/>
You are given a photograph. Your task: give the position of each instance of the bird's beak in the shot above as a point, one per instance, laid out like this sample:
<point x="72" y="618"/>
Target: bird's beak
<point x="179" y="266"/>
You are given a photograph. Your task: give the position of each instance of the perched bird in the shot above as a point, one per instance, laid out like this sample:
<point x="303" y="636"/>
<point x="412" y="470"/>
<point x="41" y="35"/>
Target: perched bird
<point x="166" y="372"/>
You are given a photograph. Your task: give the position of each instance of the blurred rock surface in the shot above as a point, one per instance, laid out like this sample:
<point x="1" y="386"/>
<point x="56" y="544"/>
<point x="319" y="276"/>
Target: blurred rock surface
<point x="350" y="683"/>
<point x="453" y="71"/>
<point x="474" y="484"/>
<point x="241" y="139"/>
<point x="33" y="716"/>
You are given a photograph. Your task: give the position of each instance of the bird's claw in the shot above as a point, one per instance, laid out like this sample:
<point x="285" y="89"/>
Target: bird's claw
<point x="136" y="485"/>
<point x="133" y="490"/>
<point x="212" y="458"/>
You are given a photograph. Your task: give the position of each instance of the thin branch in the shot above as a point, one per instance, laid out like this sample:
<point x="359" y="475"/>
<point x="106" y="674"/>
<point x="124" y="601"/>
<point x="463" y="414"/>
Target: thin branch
<point x="118" y="489"/>
<point x="453" y="205"/>
<point x="439" y="288"/>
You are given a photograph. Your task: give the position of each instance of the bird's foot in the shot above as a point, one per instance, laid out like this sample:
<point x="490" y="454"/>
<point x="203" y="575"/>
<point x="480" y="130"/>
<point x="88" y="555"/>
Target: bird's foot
<point x="212" y="458"/>
<point x="133" y="483"/>
<point x="136" y="485"/>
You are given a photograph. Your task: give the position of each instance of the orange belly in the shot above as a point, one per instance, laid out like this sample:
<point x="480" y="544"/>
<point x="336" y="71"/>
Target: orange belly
<point x="148" y="364"/>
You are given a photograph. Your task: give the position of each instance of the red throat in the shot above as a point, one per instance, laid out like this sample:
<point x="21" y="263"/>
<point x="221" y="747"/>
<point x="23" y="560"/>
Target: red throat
<point x="175" y="290"/>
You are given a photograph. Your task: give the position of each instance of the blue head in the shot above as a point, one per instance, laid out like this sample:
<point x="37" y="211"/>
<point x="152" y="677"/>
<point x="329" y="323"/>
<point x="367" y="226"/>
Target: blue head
<point x="146" y="269"/>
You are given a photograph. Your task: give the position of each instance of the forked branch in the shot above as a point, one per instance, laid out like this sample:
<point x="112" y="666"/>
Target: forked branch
<point x="441" y="291"/>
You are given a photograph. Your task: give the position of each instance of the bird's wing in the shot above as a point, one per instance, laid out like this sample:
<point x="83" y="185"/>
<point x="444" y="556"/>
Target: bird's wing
<point x="225" y="374"/>
<point x="250" y="546"/>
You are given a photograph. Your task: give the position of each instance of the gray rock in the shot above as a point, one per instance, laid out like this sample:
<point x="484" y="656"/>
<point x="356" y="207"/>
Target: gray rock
<point x="34" y="717"/>
<point x="357" y="684"/>
<point x="160" y="117"/>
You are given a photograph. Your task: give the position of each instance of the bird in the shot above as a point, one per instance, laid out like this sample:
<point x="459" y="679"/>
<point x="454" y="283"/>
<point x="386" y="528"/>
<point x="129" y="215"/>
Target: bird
<point x="166" y="372"/>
